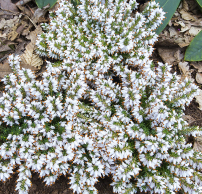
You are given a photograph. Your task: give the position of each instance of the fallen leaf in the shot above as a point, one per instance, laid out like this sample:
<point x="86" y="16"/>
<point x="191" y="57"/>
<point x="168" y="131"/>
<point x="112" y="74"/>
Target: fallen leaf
<point x="181" y="23"/>
<point x="39" y="13"/>
<point x="4" y="69"/>
<point x="9" y="23"/>
<point x="8" y="6"/>
<point x="199" y="78"/>
<point x="185" y="5"/>
<point x="33" y="35"/>
<point x="197" y="65"/>
<point x="198" y="143"/>
<point x="184" y="67"/>
<point x="4" y="48"/>
<point x="183" y="42"/>
<point x="188" y="118"/>
<point x="20" y="28"/>
<point x="170" y="23"/>
<point x="183" y="26"/>
<point x="143" y="6"/>
<point x="194" y="30"/>
<point x="199" y="99"/>
<point x="173" y="31"/>
<point x="31" y="59"/>
<point x="186" y="15"/>
<point x="20" y="48"/>
<point x="12" y="35"/>
<point x="167" y="54"/>
<point x="25" y="10"/>
<point x="178" y="55"/>
<point x="197" y="23"/>
<point x="3" y="35"/>
<point x="184" y="29"/>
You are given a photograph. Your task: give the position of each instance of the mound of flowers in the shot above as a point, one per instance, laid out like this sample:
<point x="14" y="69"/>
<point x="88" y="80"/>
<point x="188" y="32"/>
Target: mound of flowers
<point x="103" y="108"/>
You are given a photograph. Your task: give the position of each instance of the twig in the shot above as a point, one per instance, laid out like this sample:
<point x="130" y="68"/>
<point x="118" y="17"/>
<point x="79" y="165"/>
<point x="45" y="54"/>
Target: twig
<point x="3" y="58"/>
<point x="22" y="2"/>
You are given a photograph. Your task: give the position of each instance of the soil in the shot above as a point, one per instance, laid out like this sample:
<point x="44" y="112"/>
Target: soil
<point x="61" y="186"/>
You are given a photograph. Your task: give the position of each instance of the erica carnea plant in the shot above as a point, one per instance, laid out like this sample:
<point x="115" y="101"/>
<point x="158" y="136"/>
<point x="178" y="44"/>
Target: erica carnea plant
<point x="103" y="108"/>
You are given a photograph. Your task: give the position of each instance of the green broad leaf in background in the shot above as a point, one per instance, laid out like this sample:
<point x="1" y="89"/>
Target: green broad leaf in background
<point x="43" y="3"/>
<point x="169" y="6"/>
<point x="75" y="3"/>
<point x="194" y="50"/>
<point x="199" y="2"/>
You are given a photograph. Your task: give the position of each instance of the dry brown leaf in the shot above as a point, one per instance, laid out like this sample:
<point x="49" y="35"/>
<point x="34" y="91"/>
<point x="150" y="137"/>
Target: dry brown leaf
<point x="15" y="31"/>
<point x="20" y="48"/>
<point x="184" y="67"/>
<point x="184" y="41"/>
<point x="39" y="13"/>
<point x="20" y="28"/>
<point x="185" y="5"/>
<point x="25" y="10"/>
<point x="167" y="54"/>
<point x="27" y="30"/>
<point x="181" y="23"/>
<point x="3" y="35"/>
<point x="197" y="65"/>
<point x="188" y="118"/>
<point x="194" y="30"/>
<point x="184" y="27"/>
<point x="4" y="69"/>
<point x="12" y="35"/>
<point x="183" y="44"/>
<point x="199" y="99"/>
<point x="197" y="23"/>
<point x="173" y="31"/>
<point x="8" y="5"/>
<point x="143" y="6"/>
<point x="5" y="48"/>
<point x="29" y="58"/>
<point x="33" y="35"/>
<point x="186" y="15"/>
<point x="9" y="23"/>
<point x="179" y="55"/>
<point x="199" y="78"/>
<point x="198" y="143"/>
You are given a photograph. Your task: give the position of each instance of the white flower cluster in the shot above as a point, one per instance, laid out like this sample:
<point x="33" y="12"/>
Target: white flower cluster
<point x="103" y="109"/>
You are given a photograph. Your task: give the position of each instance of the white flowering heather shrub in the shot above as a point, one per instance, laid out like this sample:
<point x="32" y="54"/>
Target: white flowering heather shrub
<point x="103" y="108"/>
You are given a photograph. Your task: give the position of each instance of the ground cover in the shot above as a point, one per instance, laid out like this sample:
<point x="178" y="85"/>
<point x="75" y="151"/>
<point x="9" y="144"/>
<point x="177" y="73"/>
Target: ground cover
<point x="167" y="43"/>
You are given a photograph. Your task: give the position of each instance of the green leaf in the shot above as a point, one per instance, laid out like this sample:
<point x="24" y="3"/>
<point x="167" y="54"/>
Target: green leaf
<point x="75" y="3"/>
<point x="169" y="6"/>
<point x="194" y="50"/>
<point x="43" y="3"/>
<point x="199" y="2"/>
